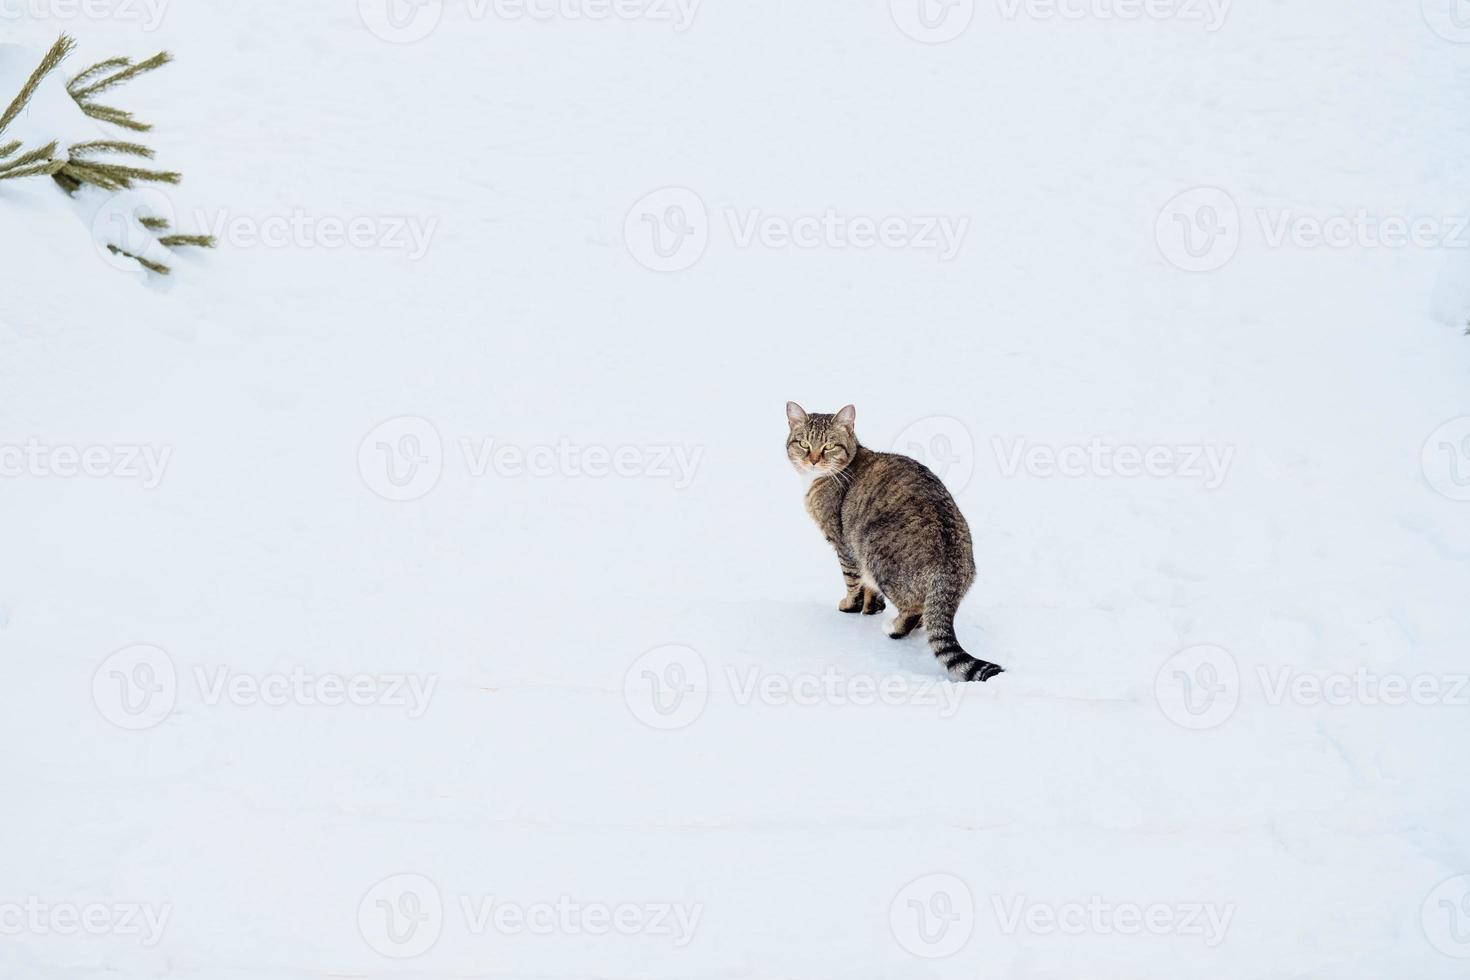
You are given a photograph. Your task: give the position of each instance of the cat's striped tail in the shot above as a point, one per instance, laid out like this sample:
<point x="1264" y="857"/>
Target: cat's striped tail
<point x="939" y="624"/>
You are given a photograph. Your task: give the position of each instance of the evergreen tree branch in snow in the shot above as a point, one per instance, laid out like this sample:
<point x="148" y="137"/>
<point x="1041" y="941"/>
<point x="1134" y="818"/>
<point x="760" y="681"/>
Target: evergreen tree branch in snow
<point x="31" y="164"/>
<point x="148" y="264"/>
<point x="173" y="240"/>
<point x="110" y="146"/>
<point x="37" y="162"/>
<point x="117" y="117"/>
<point x="82" y="169"/>
<point x="81" y="91"/>
<point x="113" y="176"/>
<point x="54" y="57"/>
<point x="82" y="165"/>
<point x="91" y="74"/>
<point x="83" y="87"/>
<point x="34" y="156"/>
<point x="73" y="175"/>
<point x="95" y="161"/>
<point x="36" y="170"/>
<point x="195" y="241"/>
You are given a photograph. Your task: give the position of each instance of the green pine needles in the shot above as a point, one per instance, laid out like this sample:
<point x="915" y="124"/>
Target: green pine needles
<point x="112" y="165"/>
<point x="94" y="163"/>
<point x="40" y="161"/>
<point x="36" y="163"/>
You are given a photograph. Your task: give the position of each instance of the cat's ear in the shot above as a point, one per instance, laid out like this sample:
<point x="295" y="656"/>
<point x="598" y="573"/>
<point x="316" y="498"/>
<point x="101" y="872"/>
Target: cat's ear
<point x="794" y="415"/>
<point x="845" y="417"/>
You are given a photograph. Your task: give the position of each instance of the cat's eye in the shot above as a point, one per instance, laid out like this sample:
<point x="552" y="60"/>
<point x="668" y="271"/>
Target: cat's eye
<point x="804" y="444"/>
<point x="829" y="447"/>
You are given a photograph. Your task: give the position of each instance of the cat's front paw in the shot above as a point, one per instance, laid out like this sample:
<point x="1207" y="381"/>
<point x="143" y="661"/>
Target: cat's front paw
<point x="873" y="602"/>
<point x="850" y="604"/>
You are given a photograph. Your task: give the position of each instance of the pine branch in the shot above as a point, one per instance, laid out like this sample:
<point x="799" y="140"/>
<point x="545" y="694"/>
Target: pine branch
<point x="81" y="173"/>
<point x="134" y="173"/>
<point x="82" y="166"/>
<point x="39" y="170"/>
<point x="54" y="57"/>
<point x="148" y="264"/>
<point x="114" y="177"/>
<point x="197" y="241"/>
<point x="97" y="69"/>
<point x="117" y="117"/>
<point x="110" y="146"/>
<point x="43" y="155"/>
<point x="131" y="71"/>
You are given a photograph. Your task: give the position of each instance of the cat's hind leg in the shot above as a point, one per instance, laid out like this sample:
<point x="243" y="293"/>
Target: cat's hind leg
<point x="872" y="596"/>
<point x="910" y="603"/>
<point x="905" y="624"/>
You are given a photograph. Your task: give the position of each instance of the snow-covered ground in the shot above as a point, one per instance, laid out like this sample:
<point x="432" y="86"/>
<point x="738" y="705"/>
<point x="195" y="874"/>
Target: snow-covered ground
<point x="440" y="602"/>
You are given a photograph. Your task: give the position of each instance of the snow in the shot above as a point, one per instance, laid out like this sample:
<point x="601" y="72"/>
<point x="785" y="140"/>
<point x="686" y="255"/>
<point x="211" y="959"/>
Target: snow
<point x="472" y="588"/>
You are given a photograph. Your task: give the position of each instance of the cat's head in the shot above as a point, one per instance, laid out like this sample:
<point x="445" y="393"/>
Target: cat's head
<point x="820" y="445"/>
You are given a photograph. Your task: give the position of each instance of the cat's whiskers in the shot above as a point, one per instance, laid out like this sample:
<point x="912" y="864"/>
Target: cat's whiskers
<point x="842" y="476"/>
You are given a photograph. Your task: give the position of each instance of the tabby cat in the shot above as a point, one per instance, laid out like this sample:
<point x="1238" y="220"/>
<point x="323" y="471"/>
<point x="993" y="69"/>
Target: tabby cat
<point x="897" y="531"/>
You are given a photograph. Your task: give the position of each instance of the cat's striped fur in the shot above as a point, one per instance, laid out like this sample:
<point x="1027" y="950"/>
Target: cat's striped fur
<point x="897" y="532"/>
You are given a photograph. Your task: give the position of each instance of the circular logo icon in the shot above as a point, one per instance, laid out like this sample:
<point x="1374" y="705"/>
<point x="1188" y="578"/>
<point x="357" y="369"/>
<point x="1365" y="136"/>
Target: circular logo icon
<point x="1450" y="19"/>
<point x="401" y="916"/>
<point x="402" y="459"/>
<point x="1198" y="687"/>
<point x="668" y="230"/>
<point x="1445" y="916"/>
<point x="1446" y="459"/>
<point x="401" y="21"/>
<point x="943" y="444"/>
<point x="127" y="225"/>
<point x="933" y="916"/>
<point x="136" y="687"/>
<point x="667" y="687"/>
<point x="1199" y="230"/>
<point x="932" y="21"/>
